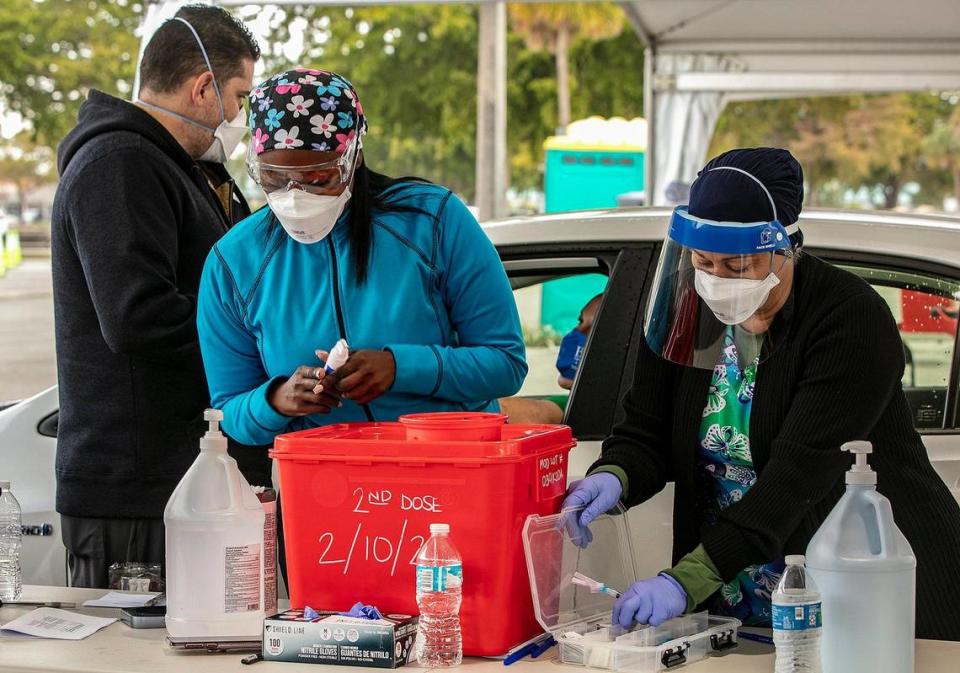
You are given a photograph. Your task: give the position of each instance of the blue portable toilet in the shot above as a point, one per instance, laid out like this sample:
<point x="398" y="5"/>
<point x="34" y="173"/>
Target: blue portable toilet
<point x="594" y="163"/>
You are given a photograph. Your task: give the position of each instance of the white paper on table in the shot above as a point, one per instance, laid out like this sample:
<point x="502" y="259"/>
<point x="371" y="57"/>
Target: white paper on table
<point x="116" y="599"/>
<point x="57" y="624"/>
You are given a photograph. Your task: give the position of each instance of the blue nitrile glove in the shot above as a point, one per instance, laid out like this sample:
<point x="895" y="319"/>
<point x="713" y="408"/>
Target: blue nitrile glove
<point x="651" y="601"/>
<point x="594" y="495"/>
<point x="361" y="611"/>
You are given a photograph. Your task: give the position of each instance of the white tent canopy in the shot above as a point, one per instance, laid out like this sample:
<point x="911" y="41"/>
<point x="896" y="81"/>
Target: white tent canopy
<point x="705" y="53"/>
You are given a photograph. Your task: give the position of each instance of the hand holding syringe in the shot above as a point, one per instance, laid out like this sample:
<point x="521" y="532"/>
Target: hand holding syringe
<point x="593" y="585"/>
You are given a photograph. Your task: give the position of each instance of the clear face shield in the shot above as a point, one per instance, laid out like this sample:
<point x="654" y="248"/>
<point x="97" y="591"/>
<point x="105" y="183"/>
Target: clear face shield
<point x="711" y="289"/>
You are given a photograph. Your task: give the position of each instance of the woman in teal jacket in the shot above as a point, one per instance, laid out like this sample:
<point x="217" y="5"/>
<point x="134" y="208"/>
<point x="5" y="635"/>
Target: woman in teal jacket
<point x="400" y="269"/>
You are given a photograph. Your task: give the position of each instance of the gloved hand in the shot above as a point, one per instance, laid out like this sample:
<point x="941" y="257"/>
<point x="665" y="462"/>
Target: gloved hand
<point x="595" y="494"/>
<point x="651" y="601"/>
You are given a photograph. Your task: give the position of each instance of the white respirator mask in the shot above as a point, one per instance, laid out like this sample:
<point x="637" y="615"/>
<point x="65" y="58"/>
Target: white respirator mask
<point x="733" y="300"/>
<point x="307" y="218"/>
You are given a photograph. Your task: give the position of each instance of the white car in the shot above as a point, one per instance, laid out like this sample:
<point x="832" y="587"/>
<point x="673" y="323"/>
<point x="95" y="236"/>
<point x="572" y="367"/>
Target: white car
<point x="913" y="261"/>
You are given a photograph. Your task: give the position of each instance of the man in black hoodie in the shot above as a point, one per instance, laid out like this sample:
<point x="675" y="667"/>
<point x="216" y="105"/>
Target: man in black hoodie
<point x="143" y="197"/>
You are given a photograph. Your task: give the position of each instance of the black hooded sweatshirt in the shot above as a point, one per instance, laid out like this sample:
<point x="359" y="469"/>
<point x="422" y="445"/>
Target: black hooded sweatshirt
<point x="133" y="220"/>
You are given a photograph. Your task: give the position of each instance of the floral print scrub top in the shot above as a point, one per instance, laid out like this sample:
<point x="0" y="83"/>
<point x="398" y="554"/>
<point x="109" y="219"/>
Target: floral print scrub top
<point x="725" y="473"/>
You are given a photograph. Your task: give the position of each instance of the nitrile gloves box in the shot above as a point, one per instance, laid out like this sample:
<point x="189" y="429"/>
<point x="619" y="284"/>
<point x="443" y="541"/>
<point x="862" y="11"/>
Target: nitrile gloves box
<point x="343" y="641"/>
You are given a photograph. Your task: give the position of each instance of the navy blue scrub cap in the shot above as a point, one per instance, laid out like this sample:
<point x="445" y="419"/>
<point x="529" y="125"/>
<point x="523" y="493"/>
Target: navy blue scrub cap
<point x="731" y="196"/>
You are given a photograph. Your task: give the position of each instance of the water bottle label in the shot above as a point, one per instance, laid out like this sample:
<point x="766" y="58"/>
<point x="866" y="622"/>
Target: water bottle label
<point x="797" y="617"/>
<point x="433" y="579"/>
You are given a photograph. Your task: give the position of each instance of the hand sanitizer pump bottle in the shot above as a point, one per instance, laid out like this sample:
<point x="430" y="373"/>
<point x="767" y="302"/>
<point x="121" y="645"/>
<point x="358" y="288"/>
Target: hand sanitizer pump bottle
<point x="866" y="572"/>
<point x="214" y="539"/>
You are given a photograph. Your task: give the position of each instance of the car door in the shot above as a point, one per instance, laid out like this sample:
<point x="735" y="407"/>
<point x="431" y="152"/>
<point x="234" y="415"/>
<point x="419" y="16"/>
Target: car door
<point x="619" y="273"/>
<point x="27" y="455"/>
<point x="923" y="299"/>
<point x="609" y="361"/>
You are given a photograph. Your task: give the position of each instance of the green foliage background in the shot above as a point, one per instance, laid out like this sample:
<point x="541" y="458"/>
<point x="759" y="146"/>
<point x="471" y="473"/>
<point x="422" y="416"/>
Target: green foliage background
<point x="415" y="69"/>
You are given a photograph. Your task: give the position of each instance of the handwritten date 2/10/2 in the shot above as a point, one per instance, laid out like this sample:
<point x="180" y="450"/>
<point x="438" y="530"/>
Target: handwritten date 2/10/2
<point x="370" y="547"/>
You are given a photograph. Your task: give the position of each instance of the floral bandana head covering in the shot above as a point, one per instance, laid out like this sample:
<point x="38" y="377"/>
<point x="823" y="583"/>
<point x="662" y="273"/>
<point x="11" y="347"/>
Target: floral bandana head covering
<point x="306" y="109"/>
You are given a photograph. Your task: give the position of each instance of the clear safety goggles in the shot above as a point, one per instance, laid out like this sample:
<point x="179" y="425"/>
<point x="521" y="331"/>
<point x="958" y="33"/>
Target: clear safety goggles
<point x="321" y="178"/>
<point x="711" y="287"/>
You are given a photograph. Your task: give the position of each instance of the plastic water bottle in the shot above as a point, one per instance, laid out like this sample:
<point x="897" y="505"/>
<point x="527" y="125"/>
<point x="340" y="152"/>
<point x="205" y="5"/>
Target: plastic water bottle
<point x="214" y="533"/>
<point x="797" y="620"/>
<point x="10" y="541"/>
<point x="439" y="582"/>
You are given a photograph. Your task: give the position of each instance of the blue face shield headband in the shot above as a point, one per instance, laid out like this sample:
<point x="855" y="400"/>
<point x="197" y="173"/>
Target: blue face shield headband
<point x="731" y="238"/>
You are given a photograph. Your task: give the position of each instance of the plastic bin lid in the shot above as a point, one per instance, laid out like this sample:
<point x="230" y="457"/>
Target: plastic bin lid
<point x="389" y="441"/>
<point x="553" y="557"/>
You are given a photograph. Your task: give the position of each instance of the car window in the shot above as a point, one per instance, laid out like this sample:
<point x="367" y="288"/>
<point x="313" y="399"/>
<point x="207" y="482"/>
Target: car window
<point x="549" y="309"/>
<point x="925" y="308"/>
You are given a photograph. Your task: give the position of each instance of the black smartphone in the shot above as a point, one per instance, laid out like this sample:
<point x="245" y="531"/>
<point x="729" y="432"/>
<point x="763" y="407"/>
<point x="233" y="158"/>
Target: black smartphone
<point x="151" y="617"/>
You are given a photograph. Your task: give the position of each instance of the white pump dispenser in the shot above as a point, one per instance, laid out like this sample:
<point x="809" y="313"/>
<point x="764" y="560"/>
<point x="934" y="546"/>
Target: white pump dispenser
<point x="861" y="472"/>
<point x="866" y="572"/>
<point x="214" y="440"/>
<point x="214" y="535"/>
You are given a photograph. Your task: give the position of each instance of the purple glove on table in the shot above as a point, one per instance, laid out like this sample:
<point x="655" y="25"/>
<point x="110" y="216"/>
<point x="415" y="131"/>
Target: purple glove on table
<point x="651" y="601"/>
<point x="361" y="611"/>
<point x="595" y="494"/>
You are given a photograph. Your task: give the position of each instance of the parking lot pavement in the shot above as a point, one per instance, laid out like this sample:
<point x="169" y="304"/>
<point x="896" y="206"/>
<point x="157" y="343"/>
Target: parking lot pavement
<point x="27" y="359"/>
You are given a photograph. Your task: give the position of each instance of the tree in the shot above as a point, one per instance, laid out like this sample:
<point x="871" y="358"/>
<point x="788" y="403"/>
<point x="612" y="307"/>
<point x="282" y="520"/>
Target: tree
<point x="942" y="148"/>
<point x="415" y="72"/>
<point x="26" y="166"/>
<point x="811" y="128"/>
<point x="55" y="51"/>
<point x="887" y="134"/>
<point x="554" y="27"/>
<point x="608" y="76"/>
<point x="843" y="142"/>
<point x="831" y="160"/>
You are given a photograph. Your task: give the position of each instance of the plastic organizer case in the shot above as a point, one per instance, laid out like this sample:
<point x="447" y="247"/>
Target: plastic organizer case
<point x="679" y="641"/>
<point x="579" y="620"/>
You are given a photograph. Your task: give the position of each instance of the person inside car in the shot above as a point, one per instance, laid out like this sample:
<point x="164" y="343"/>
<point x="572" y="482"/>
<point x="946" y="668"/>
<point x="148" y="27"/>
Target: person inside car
<point x="550" y="410"/>
<point x="574" y="343"/>
<point x="759" y="362"/>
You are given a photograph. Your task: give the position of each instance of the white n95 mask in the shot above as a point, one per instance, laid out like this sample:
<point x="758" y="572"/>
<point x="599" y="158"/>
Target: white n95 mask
<point x="307" y="218"/>
<point x="226" y="137"/>
<point x="733" y="300"/>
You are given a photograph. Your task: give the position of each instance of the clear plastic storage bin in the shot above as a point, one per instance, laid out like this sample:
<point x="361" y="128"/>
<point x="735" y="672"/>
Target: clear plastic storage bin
<point x="580" y="620"/>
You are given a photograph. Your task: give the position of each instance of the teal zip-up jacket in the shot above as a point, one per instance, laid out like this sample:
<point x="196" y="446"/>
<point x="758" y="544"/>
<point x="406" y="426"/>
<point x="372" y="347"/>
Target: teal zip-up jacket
<point x="436" y="296"/>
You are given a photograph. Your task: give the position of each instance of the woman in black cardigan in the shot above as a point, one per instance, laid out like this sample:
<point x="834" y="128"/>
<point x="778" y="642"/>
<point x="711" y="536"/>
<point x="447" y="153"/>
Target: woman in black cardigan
<point x="750" y="430"/>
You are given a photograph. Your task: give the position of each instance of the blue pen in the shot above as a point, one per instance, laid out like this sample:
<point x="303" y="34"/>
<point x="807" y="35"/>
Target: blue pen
<point x="519" y="654"/>
<point x="543" y="647"/>
<point x="756" y="637"/>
